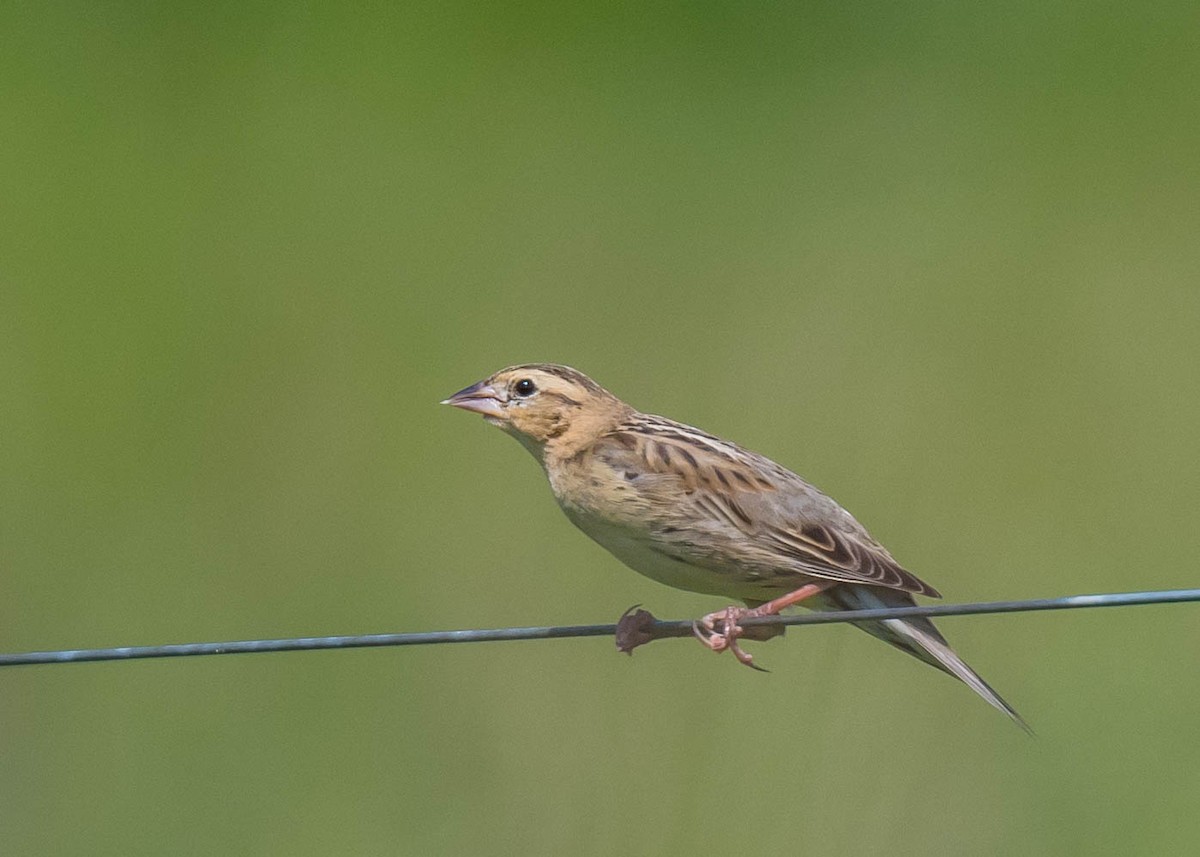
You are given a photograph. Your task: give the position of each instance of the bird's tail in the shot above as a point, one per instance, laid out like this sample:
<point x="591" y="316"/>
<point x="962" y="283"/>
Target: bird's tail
<point x="915" y="635"/>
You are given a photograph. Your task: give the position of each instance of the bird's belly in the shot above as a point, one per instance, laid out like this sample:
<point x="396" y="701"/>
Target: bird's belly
<point x="636" y="549"/>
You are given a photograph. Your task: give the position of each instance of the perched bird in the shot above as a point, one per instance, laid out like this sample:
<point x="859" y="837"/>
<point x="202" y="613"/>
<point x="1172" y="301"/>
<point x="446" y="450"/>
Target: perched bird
<point x="699" y="513"/>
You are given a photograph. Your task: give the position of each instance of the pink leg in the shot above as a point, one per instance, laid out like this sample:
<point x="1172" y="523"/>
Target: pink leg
<point x="727" y="620"/>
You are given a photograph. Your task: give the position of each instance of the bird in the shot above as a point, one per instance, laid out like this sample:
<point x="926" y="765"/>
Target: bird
<point x="699" y="513"/>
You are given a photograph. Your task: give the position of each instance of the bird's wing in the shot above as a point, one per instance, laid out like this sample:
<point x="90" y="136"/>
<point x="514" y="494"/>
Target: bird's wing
<point x="766" y="507"/>
<point x="824" y="551"/>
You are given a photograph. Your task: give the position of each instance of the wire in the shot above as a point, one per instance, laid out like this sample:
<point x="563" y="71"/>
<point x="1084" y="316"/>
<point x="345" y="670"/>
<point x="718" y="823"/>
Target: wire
<point x="653" y="628"/>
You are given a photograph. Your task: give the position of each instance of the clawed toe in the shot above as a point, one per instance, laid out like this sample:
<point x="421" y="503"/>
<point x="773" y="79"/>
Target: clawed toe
<point x="720" y="631"/>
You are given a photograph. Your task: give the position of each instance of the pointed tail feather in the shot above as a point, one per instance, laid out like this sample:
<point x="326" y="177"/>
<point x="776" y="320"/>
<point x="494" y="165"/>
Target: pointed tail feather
<point x="934" y="645"/>
<point x="917" y="636"/>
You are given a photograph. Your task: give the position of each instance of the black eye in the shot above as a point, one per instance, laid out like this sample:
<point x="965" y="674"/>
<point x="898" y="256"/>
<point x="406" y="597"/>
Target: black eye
<point x="525" y="387"/>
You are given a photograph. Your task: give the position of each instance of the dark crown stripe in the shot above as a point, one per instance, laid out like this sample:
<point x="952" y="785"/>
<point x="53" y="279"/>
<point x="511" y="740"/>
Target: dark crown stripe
<point x="574" y="376"/>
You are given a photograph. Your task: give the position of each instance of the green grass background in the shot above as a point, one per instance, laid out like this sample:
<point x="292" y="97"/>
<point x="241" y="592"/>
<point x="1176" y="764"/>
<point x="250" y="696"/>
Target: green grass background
<point x="940" y="258"/>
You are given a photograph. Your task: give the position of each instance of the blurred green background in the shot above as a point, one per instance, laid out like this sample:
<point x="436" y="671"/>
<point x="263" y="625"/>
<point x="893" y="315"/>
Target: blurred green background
<point x="942" y="259"/>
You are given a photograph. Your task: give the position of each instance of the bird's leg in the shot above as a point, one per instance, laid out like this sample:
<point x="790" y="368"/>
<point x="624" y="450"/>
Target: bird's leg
<point x="773" y="607"/>
<point x="720" y="630"/>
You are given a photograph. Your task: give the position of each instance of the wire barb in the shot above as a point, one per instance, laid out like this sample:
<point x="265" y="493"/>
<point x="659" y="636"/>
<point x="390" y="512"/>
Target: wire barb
<point x="656" y="628"/>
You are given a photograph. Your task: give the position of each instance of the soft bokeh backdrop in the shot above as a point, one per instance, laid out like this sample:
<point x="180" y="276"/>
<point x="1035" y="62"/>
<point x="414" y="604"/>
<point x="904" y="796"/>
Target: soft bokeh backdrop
<point x="940" y="258"/>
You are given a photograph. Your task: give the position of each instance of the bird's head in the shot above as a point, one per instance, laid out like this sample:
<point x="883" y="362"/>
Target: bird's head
<point x="539" y="403"/>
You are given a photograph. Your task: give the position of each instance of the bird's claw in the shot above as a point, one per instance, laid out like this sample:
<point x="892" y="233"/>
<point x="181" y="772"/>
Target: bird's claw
<point x="706" y="631"/>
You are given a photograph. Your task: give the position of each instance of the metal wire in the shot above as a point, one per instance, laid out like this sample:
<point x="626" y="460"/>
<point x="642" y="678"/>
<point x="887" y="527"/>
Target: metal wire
<point x="657" y="629"/>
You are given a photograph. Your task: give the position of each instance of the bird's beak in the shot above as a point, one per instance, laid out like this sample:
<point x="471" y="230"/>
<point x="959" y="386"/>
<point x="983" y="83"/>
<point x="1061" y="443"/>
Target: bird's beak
<point x="481" y="398"/>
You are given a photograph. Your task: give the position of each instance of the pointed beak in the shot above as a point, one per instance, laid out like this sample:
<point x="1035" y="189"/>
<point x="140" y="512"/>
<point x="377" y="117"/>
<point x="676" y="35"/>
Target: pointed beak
<point x="480" y="398"/>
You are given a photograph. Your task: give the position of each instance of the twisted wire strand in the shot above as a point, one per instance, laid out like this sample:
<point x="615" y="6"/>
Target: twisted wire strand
<point x="657" y="629"/>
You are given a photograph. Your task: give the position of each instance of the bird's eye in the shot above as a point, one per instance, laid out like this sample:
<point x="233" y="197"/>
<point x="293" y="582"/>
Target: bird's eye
<point x="525" y="387"/>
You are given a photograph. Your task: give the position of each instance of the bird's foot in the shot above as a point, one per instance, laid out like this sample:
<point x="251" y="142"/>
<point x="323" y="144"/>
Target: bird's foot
<point x="720" y="631"/>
